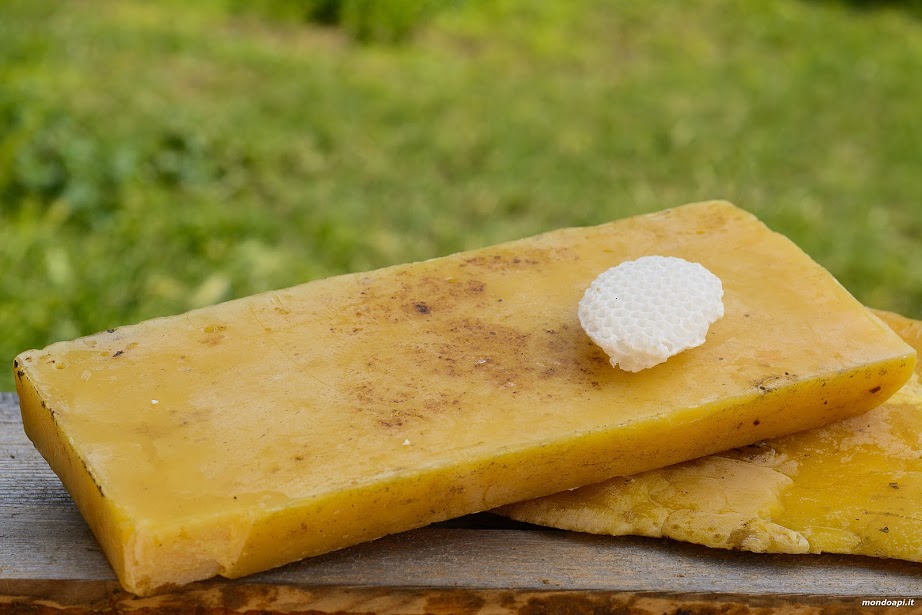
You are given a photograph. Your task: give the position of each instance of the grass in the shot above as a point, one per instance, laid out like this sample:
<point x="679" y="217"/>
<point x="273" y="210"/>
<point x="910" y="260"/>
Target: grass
<point x="156" y="157"/>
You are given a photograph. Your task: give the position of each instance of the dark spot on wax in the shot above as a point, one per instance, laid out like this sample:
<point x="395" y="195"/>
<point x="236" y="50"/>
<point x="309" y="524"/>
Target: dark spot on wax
<point x="422" y="308"/>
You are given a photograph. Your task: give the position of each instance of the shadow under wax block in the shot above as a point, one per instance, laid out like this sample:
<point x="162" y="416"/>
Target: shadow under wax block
<point x="249" y="434"/>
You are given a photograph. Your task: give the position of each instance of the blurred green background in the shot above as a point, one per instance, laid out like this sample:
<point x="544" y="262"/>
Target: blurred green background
<point x="160" y="156"/>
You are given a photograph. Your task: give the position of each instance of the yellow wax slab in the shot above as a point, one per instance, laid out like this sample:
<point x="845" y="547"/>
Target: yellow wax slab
<point x="259" y="431"/>
<point x="854" y="486"/>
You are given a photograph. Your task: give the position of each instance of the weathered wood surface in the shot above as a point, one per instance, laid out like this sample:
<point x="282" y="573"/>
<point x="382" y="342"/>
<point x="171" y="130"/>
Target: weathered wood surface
<point x="50" y="562"/>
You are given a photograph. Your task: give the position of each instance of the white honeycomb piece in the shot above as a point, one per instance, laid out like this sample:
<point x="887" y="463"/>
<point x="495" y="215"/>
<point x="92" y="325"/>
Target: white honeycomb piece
<point x="644" y="311"/>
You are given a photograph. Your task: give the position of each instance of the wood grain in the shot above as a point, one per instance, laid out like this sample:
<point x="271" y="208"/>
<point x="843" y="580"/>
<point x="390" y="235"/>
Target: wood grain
<point x="50" y="562"/>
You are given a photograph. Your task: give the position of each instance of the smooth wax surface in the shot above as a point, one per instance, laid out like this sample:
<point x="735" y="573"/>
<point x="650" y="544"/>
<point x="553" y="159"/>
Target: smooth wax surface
<point x="256" y="432"/>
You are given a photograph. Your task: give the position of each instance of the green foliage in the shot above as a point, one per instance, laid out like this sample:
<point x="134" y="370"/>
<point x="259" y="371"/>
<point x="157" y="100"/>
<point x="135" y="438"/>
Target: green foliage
<point x="913" y="7"/>
<point x="392" y="21"/>
<point x="384" y="21"/>
<point x="316" y="11"/>
<point x="156" y="157"/>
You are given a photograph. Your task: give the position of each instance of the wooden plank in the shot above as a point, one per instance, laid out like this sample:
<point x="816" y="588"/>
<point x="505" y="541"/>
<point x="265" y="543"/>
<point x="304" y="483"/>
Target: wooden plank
<point x="48" y="557"/>
<point x="213" y="598"/>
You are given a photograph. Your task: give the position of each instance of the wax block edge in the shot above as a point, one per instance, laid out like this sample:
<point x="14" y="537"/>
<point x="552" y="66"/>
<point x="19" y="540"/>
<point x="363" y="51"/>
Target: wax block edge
<point x="458" y="489"/>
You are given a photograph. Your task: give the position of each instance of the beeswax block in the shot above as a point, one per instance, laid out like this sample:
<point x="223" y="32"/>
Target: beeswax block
<point x="245" y="435"/>
<point x="854" y="486"/>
